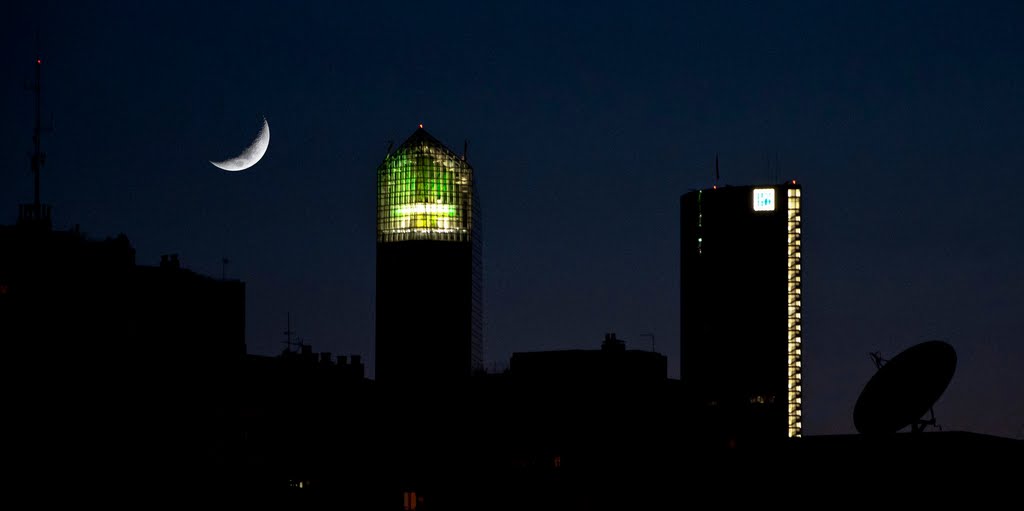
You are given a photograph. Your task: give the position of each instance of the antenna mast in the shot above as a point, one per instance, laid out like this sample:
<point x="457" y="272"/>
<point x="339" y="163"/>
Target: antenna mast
<point x="778" y="168"/>
<point x="38" y="157"/>
<point x="288" y="334"/>
<point x="36" y="214"/>
<point x="716" y="170"/>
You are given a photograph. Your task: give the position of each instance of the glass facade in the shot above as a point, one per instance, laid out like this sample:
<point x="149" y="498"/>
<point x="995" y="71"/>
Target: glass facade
<point x="429" y="321"/>
<point x="424" y="192"/>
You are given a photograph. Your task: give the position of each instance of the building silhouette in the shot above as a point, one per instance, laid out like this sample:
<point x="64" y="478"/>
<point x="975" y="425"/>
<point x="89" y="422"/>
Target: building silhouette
<point x="740" y="311"/>
<point x="429" y="273"/>
<point x="115" y="360"/>
<point x="613" y="364"/>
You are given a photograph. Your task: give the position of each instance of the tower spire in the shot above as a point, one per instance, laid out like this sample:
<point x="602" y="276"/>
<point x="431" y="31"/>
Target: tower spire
<point x="38" y="157"/>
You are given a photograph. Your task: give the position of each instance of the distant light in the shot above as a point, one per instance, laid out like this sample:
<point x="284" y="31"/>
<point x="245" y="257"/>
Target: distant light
<point x="715" y="187"/>
<point x="794" y="181"/>
<point x="421" y="125"/>
<point x="39" y="61"/>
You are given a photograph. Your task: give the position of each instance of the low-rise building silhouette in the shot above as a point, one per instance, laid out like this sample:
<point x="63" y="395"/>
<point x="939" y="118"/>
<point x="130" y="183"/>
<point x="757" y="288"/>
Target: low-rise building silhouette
<point x="115" y="360"/>
<point x="613" y="364"/>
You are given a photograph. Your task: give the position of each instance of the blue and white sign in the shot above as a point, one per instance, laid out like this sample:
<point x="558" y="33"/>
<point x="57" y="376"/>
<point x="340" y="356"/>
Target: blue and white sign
<point x="764" y="199"/>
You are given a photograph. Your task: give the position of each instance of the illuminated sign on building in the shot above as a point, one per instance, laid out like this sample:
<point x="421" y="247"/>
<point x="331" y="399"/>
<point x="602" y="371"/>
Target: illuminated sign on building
<point x="764" y="199"/>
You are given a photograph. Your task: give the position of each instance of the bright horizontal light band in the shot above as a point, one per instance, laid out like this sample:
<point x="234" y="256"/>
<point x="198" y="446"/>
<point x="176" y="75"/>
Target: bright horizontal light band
<point x="421" y="209"/>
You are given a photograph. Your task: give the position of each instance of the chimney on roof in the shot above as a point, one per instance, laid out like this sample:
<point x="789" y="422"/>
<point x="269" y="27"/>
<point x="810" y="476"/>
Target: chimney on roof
<point x="612" y="344"/>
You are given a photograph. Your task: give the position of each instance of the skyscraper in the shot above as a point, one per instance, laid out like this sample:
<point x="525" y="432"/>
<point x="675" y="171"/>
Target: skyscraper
<point x="740" y="310"/>
<point x="429" y="269"/>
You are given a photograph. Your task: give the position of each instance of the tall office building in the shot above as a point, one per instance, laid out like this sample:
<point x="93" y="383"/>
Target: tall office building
<point x="740" y="310"/>
<point x="429" y="268"/>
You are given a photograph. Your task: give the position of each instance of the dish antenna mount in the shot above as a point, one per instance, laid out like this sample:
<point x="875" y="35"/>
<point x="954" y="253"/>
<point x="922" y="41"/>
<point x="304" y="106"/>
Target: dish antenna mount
<point x="904" y="389"/>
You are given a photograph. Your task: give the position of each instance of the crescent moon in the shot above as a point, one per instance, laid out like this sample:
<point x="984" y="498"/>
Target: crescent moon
<point x="251" y="155"/>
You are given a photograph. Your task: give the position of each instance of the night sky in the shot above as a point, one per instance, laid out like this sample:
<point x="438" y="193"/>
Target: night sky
<point x="585" y="124"/>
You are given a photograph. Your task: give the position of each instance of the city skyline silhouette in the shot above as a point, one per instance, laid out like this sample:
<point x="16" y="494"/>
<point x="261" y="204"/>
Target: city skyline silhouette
<point x="899" y="121"/>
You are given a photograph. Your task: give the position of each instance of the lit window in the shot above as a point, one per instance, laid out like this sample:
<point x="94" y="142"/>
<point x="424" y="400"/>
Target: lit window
<point x="409" y="500"/>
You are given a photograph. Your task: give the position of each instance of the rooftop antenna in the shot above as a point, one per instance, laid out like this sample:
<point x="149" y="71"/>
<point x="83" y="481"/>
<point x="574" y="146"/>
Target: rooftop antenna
<point x="38" y="157"/>
<point x="716" y="170"/>
<point x="288" y="333"/>
<point x="36" y="212"/>
<point x="224" y="268"/>
<point x="391" y="143"/>
<point x="768" y="167"/>
<point x="778" y="168"/>
<point x="876" y="358"/>
<point x="465" y="149"/>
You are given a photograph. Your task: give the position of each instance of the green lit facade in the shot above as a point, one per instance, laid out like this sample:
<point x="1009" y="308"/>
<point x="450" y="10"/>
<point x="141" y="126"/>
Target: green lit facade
<point x="424" y="192"/>
<point x="429" y="325"/>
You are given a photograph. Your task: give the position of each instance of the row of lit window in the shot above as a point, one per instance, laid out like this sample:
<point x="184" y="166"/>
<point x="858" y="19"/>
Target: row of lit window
<point x="421" y="210"/>
<point x="437" y="223"/>
<point x="422" y="163"/>
<point x="423" y="189"/>
<point x="398" y="164"/>
<point x="425" y="152"/>
<point x="412" y="178"/>
<point x="421" y="195"/>
<point x="433" y="235"/>
<point x="421" y="224"/>
<point x="794" y="392"/>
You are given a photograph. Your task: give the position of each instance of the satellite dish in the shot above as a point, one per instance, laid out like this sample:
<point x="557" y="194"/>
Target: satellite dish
<point x="905" y="388"/>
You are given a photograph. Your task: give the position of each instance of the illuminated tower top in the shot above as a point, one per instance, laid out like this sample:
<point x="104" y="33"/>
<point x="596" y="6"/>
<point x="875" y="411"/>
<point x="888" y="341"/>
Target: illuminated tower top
<point x="424" y="192"/>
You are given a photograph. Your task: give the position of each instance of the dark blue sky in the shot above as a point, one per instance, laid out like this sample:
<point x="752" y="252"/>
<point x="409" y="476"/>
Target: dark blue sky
<point x="586" y="123"/>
